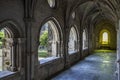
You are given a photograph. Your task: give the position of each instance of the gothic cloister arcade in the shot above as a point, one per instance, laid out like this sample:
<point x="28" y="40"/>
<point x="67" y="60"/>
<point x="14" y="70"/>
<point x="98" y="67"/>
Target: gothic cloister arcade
<point x="59" y="39"/>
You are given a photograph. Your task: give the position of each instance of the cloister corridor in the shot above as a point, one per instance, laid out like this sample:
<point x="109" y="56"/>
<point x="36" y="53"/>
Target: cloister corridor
<point x="59" y="39"/>
<point x="98" y="66"/>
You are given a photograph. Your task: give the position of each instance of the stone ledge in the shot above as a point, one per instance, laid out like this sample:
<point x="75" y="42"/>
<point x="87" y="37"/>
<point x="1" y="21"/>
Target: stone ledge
<point x="47" y="60"/>
<point x="73" y="52"/>
<point x="6" y="74"/>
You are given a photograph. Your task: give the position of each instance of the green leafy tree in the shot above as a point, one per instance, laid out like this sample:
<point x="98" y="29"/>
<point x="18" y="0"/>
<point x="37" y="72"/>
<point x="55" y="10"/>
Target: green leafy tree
<point x="2" y="35"/>
<point x="44" y="38"/>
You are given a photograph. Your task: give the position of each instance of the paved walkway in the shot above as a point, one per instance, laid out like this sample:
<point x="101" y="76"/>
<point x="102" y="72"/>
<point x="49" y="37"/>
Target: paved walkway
<point x="99" y="66"/>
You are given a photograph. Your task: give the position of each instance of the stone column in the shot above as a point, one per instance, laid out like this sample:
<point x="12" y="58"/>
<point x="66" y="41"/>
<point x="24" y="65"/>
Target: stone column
<point x="20" y="50"/>
<point x="118" y="51"/>
<point x="54" y="48"/>
<point x="75" y="46"/>
<point x="67" y="63"/>
<point x="65" y="47"/>
<point x="57" y="49"/>
<point x="49" y="48"/>
<point x="14" y="54"/>
<point x="61" y="49"/>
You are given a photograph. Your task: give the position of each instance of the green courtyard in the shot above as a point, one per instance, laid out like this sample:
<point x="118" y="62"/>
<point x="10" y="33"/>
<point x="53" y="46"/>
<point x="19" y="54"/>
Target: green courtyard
<point x="42" y="53"/>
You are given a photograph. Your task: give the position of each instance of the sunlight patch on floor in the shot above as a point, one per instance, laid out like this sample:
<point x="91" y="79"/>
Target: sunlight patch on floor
<point x="104" y="51"/>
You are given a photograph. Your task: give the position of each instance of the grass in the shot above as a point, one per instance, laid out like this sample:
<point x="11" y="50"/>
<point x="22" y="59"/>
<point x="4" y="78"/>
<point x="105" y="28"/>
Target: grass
<point x="105" y="51"/>
<point x="42" y="53"/>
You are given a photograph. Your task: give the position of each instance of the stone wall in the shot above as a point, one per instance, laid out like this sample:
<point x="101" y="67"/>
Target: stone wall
<point x="28" y="16"/>
<point x="48" y="69"/>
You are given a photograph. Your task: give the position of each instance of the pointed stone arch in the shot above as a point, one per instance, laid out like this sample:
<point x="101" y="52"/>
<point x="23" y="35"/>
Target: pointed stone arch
<point x="11" y="45"/>
<point x="55" y="38"/>
<point x="73" y="40"/>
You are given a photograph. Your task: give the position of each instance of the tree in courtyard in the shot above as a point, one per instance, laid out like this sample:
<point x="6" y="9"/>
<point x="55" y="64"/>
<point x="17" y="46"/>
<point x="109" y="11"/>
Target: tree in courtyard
<point x="2" y="35"/>
<point x="44" y="38"/>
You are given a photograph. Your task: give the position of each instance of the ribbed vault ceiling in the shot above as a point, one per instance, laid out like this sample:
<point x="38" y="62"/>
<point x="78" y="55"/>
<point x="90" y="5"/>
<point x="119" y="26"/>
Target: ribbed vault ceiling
<point x="95" y="11"/>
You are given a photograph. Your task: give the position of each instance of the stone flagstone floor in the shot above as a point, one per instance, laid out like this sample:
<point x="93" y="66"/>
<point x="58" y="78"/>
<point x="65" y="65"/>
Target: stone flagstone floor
<point x="99" y="66"/>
